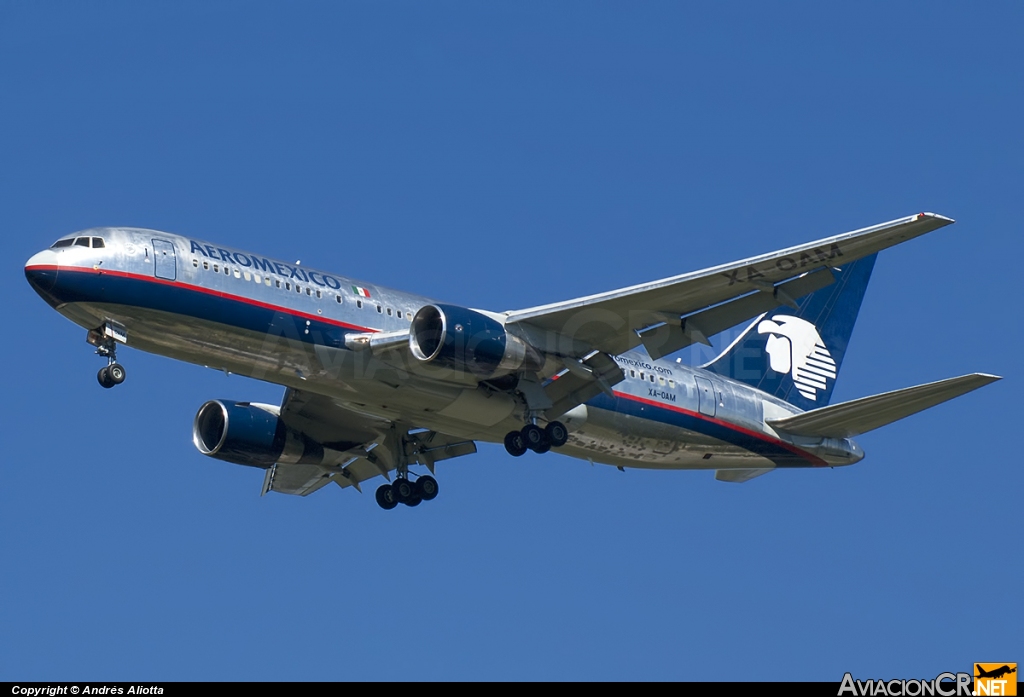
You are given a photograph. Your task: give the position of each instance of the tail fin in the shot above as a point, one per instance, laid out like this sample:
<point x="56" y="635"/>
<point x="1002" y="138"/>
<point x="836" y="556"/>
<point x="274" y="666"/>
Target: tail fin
<point x="796" y="355"/>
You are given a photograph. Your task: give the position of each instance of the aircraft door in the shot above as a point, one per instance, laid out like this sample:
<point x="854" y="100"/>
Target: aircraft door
<point x="163" y="258"/>
<point x="706" y="396"/>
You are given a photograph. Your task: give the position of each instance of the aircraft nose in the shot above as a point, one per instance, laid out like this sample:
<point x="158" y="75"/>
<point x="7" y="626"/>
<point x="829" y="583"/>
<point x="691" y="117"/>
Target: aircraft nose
<point x="41" y="272"/>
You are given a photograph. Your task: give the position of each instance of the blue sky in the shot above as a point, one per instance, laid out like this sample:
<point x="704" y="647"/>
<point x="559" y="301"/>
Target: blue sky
<point x="502" y="156"/>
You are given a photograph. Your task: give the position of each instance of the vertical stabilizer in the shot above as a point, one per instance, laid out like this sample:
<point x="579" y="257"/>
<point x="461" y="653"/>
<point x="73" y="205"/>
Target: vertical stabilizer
<point x="796" y="354"/>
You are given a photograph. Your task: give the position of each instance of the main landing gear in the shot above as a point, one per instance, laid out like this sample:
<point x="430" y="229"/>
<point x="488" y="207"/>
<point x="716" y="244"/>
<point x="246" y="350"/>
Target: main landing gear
<point x="533" y="437"/>
<point x="106" y="346"/>
<point x="404" y="491"/>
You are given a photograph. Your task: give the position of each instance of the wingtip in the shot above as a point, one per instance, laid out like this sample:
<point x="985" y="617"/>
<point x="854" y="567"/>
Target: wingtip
<point x="945" y="220"/>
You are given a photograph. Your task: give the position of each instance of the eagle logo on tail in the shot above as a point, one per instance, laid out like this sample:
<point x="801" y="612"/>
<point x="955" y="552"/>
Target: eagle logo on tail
<point x="795" y="346"/>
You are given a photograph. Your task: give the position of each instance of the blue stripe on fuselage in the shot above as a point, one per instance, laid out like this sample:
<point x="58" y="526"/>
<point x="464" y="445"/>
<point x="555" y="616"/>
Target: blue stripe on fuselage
<point x="776" y="451"/>
<point x="119" y="288"/>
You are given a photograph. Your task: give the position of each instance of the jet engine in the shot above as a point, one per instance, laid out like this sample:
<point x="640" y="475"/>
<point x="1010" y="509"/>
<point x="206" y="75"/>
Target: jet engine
<point x="467" y="340"/>
<point x="250" y="434"/>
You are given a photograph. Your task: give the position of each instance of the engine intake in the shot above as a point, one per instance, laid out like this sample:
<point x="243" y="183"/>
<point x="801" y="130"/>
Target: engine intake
<point x="250" y="434"/>
<point x="469" y="341"/>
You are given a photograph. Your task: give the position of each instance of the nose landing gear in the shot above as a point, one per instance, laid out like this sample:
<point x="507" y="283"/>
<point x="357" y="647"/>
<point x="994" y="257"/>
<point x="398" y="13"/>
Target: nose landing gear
<point x="105" y="340"/>
<point x="112" y="375"/>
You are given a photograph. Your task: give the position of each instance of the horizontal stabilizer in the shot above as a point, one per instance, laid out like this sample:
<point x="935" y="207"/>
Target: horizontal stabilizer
<point x="740" y="476"/>
<point x="868" y="413"/>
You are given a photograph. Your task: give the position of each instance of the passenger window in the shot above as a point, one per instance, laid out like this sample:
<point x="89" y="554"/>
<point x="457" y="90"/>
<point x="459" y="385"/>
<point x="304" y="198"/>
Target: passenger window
<point x="216" y="268"/>
<point x="63" y="243"/>
<point x="389" y="312"/>
<point x="227" y="271"/>
<point x="278" y="281"/>
<point x="359" y="304"/>
<point x="399" y="314"/>
<point x="661" y="380"/>
<point x="97" y="243"/>
<point x="256" y="277"/>
<point x="237" y="274"/>
<point x="309" y="291"/>
<point x="266" y="281"/>
<point x="81" y="241"/>
<point x="338" y="298"/>
<point x="195" y="263"/>
<point x="632" y="373"/>
<point x="287" y="285"/>
<point x="641" y="375"/>
<point x="319" y="294"/>
<point x="380" y="310"/>
<point x="671" y="383"/>
<point x="652" y="378"/>
<point x="247" y="275"/>
<point x="206" y="266"/>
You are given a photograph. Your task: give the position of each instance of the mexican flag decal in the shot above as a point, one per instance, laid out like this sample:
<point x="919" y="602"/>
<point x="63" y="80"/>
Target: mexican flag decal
<point x="361" y="291"/>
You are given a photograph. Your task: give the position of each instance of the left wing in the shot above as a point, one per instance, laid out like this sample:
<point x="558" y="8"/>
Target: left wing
<point x="610" y="322"/>
<point x="361" y="446"/>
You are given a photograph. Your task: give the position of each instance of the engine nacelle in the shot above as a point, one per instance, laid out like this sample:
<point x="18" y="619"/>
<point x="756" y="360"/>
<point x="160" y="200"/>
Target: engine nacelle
<point x="250" y="434"/>
<point x="465" y="340"/>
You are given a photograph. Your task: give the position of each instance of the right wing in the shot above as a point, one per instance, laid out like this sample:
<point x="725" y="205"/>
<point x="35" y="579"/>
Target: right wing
<point x="696" y="304"/>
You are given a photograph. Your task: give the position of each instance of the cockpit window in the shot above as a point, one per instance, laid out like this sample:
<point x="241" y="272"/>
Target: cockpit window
<point x="63" y="243"/>
<point x="98" y="243"/>
<point x="81" y="241"/>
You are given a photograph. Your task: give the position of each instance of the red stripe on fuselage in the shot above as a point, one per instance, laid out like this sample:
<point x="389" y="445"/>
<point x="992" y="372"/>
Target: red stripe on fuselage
<point x="200" y="289"/>
<point x="813" y="459"/>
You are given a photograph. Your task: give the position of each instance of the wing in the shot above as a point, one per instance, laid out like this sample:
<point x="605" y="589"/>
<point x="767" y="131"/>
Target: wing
<point x="696" y="305"/>
<point x="357" y="446"/>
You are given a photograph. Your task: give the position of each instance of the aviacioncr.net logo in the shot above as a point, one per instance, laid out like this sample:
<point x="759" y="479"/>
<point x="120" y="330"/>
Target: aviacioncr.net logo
<point x="795" y="346"/>
<point x="944" y="685"/>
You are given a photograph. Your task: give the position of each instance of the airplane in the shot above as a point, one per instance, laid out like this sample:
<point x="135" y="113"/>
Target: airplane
<point x="379" y="381"/>
<point x="995" y="673"/>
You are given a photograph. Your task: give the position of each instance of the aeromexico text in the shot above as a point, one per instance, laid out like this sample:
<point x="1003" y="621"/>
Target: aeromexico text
<point x="266" y="265"/>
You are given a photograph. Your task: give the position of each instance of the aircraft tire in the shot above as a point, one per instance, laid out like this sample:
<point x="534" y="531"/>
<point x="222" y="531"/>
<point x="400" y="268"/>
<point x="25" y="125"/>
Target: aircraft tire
<point x="426" y="488"/>
<point x="104" y="378"/>
<point x="557" y="434"/>
<point x="116" y="373"/>
<point x="514" y="444"/>
<point x="404" y="490"/>
<point x="386" y="497"/>
<point x="413" y="502"/>
<point x="535" y="438"/>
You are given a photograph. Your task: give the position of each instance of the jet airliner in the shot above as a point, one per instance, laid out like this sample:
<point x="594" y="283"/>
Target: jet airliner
<point x="379" y="381"/>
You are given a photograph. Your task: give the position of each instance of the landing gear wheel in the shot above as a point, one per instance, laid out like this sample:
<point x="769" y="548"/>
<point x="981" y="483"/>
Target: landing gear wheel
<point x="386" y="497"/>
<point x="414" y="501"/>
<point x="557" y="434"/>
<point x="535" y="438"/>
<point x="104" y="378"/>
<point x="404" y="490"/>
<point x="514" y="444"/>
<point x="115" y="371"/>
<point x="426" y="487"/>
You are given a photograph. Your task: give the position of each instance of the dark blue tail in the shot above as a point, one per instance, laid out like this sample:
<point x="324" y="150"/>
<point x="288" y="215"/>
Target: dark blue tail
<point x="796" y="354"/>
